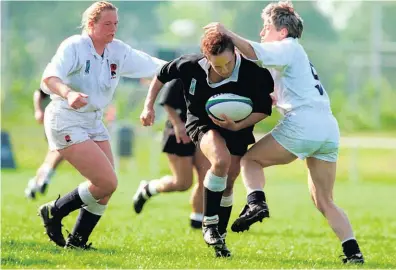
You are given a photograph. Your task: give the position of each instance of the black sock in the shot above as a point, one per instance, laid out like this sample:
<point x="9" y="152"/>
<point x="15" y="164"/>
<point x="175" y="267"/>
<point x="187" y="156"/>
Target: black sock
<point x="224" y="218"/>
<point x="256" y="196"/>
<point x="350" y="247"/>
<point x="85" y="224"/>
<point x="212" y="201"/>
<point x="67" y="204"/>
<point x="146" y="189"/>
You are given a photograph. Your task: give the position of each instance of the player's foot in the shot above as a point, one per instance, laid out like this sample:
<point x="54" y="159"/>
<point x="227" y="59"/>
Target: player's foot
<point x="354" y="259"/>
<point x="251" y="214"/>
<point x="221" y="251"/>
<point x="195" y="224"/>
<point x="43" y="188"/>
<point x="75" y="241"/>
<point x="140" y="197"/>
<point x="53" y="225"/>
<point x="211" y="235"/>
<point x="30" y="190"/>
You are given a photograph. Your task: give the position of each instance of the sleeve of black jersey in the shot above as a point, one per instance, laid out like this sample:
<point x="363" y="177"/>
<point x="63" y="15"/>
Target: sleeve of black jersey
<point x="264" y="86"/>
<point x="42" y="94"/>
<point x="176" y="69"/>
<point x="172" y="94"/>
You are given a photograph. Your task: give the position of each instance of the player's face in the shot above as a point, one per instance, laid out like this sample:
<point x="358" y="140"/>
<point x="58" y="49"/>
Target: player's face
<point x="223" y="64"/>
<point x="269" y="33"/>
<point x="106" y="27"/>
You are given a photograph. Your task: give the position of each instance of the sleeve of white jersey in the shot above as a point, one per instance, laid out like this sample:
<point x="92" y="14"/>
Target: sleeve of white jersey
<point x="138" y="64"/>
<point x="276" y="54"/>
<point x="61" y="64"/>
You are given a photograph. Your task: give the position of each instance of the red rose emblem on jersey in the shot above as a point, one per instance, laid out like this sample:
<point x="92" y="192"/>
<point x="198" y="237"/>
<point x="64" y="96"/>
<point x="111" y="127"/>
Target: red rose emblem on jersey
<point x="113" y="70"/>
<point x="67" y="138"/>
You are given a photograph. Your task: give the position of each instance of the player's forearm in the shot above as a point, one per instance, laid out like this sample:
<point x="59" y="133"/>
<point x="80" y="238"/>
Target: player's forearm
<point x="243" y="45"/>
<point x="251" y="120"/>
<point x="37" y="101"/>
<point x="173" y="116"/>
<point x="57" y="86"/>
<point x="155" y="87"/>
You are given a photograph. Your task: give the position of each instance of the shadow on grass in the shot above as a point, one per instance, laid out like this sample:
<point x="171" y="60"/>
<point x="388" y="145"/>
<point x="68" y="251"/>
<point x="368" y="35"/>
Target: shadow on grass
<point x="32" y="254"/>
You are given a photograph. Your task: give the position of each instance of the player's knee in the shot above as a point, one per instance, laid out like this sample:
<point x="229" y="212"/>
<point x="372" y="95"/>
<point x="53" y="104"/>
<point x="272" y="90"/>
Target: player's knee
<point x="183" y="185"/>
<point x="221" y="164"/>
<point x="111" y="185"/>
<point x="245" y="160"/>
<point x="323" y="204"/>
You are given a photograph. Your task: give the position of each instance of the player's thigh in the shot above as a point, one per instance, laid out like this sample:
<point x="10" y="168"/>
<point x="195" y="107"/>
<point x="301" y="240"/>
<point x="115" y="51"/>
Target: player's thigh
<point x="182" y="169"/>
<point x="214" y="147"/>
<point x="321" y="178"/>
<point x="106" y="148"/>
<point x="90" y="160"/>
<point x="267" y="152"/>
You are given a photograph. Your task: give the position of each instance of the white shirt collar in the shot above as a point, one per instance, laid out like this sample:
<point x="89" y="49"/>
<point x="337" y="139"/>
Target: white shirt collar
<point x="233" y="78"/>
<point x="88" y="39"/>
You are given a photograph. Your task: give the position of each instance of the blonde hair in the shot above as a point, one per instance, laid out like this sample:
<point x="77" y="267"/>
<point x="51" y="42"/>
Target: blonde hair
<point x="92" y="13"/>
<point x="283" y="15"/>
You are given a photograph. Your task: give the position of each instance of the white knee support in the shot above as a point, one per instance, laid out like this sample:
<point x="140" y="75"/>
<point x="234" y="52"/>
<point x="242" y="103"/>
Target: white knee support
<point x="215" y="183"/>
<point x="96" y="208"/>
<point x="85" y="194"/>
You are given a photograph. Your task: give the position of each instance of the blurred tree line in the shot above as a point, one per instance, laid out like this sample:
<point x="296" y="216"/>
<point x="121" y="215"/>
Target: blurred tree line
<point x="32" y="31"/>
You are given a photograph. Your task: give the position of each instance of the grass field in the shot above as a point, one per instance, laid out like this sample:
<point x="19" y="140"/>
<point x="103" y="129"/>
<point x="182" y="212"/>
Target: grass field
<point x="296" y="235"/>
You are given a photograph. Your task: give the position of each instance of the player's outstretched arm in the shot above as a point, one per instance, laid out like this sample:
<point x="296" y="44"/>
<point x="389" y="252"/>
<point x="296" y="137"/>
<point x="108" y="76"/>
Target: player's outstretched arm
<point x="148" y="114"/>
<point x="242" y="44"/>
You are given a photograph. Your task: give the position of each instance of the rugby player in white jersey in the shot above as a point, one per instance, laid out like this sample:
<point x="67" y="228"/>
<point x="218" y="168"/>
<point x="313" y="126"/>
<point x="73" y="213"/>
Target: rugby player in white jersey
<point x="81" y="79"/>
<point x="307" y="131"/>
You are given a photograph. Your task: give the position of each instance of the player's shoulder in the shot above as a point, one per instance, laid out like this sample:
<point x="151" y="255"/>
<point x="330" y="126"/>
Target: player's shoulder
<point x="72" y="40"/>
<point x="118" y="46"/>
<point x="192" y="58"/>
<point x="252" y="67"/>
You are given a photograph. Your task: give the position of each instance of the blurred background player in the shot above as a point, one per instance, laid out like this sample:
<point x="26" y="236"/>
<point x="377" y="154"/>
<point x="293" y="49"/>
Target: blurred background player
<point x="182" y="155"/>
<point x="40" y="181"/>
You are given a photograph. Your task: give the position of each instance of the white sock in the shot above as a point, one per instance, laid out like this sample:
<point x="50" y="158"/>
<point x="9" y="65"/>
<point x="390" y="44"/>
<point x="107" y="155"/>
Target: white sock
<point x="45" y="174"/>
<point x="152" y="186"/>
<point x="196" y="216"/>
<point x="226" y="201"/>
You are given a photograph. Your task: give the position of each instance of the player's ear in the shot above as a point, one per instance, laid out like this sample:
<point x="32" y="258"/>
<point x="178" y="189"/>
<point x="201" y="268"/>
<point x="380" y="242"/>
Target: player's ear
<point x="284" y="32"/>
<point x="90" y="24"/>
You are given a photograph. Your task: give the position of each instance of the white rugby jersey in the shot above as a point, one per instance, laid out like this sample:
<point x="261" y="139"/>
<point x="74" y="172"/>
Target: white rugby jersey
<point x="78" y="65"/>
<point x="296" y="81"/>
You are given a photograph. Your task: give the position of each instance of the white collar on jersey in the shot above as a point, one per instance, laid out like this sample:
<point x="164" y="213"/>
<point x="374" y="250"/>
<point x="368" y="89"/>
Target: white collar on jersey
<point x="233" y="78"/>
<point x="88" y="39"/>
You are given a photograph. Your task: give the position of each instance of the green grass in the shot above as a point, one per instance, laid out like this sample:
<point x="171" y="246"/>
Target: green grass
<point x="296" y="235"/>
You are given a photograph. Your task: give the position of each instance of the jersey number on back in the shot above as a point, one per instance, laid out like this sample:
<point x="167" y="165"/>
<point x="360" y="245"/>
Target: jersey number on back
<point x="316" y="77"/>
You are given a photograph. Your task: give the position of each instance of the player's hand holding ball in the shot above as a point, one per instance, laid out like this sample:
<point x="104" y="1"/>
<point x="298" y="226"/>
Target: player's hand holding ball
<point x="227" y="123"/>
<point x="76" y="100"/>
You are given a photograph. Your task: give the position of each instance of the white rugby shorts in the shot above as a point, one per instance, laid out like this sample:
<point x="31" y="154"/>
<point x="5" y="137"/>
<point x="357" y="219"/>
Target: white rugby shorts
<point x="65" y="127"/>
<point x="309" y="133"/>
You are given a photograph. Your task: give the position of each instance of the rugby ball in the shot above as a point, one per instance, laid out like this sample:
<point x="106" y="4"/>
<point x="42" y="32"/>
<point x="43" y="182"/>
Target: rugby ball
<point x="233" y="106"/>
